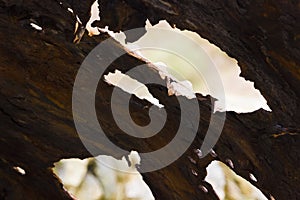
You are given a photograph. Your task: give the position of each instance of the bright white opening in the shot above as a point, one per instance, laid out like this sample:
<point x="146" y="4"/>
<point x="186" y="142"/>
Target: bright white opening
<point x="198" y="152"/>
<point x="131" y="86"/>
<point x="95" y="15"/>
<point x="230" y="163"/>
<point x="175" y="86"/>
<point x="194" y="172"/>
<point x="70" y="10"/>
<point x="203" y="188"/>
<point x="228" y="185"/>
<point x="213" y="153"/>
<point x="103" y="177"/>
<point x="36" y="27"/>
<point x="240" y="94"/>
<point x="78" y="19"/>
<point x="19" y="170"/>
<point x="252" y="177"/>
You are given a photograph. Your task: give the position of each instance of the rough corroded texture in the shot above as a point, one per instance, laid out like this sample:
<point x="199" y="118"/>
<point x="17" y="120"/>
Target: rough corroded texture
<point x="38" y="68"/>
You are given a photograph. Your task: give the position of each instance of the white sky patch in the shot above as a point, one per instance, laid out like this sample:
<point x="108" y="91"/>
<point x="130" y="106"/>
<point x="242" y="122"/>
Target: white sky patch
<point x="131" y="86"/>
<point x="19" y="170"/>
<point x="252" y="177"/>
<point x="95" y="15"/>
<point x="179" y="88"/>
<point x="220" y="177"/>
<point x="83" y="185"/>
<point x="215" y="176"/>
<point x="73" y="171"/>
<point x="135" y="187"/>
<point x="70" y="10"/>
<point x="118" y="36"/>
<point x="240" y="95"/>
<point x="35" y="26"/>
<point x="77" y="24"/>
<point x="78" y="19"/>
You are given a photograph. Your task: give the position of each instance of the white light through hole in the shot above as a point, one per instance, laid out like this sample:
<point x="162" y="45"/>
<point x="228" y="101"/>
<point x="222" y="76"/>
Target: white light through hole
<point x="252" y="177"/>
<point x="110" y="178"/>
<point x="131" y="86"/>
<point x="19" y="170"/>
<point x="228" y="185"/>
<point x="203" y="188"/>
<point x="35" y="26"/>
<point x="230" y="163"/>
<point x="95" y="15"/>
<point x="213" y="153"/>
<point x="194" y="172"/>
<point x="199" y="153"/>
<point x="175" y="86"/>
<point x="241" y="96"/>
<point x="70" y="10"/>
